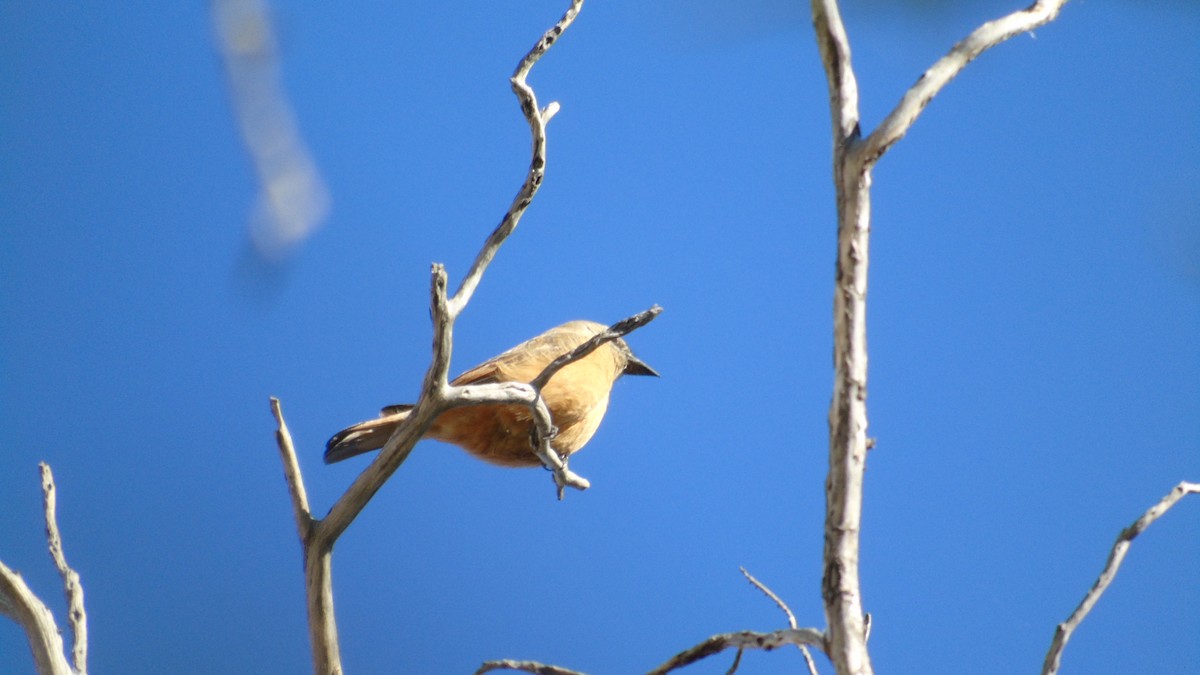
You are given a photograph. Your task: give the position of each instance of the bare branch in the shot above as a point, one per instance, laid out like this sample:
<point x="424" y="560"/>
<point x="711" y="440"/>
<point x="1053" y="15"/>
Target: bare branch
<point x="990" y="34"/>
<point x="808" y="659"/>
<point x="742" y="640"/>
<point x="835" y="55"/>
<point x="840" y="589"/>
<point x="291" y="472"/>
<point x="21" y="605"/>
<point x="527" y="666"/>
<point x="771" y="594"/>
<point x="537" y="119"/>
<point x="1115" y="557"/>
<point x="72" y="588"/>
<point x="431" y="403"/>
<point x="322" y="623"/>
<point x="853" y="160"/>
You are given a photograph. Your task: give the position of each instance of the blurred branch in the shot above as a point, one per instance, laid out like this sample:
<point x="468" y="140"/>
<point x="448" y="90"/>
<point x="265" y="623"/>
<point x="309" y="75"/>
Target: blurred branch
<point x="293" y="199"/>
<point x="808" y="659"/>
<point x="526" y="666"/>
<point x="1115" y="557"/>
<point x="20" y="603"/>
<point x="853" y="159"/>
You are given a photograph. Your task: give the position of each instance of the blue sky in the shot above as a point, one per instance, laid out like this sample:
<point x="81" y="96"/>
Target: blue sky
<point x="1034" y="330"/>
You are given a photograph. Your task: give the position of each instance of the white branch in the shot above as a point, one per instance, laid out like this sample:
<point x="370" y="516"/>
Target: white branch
<point x="853" y="159"/>
<point x="835" y="55"/>
<point x="1115" y="557"/>
<point x="990" y="34"/>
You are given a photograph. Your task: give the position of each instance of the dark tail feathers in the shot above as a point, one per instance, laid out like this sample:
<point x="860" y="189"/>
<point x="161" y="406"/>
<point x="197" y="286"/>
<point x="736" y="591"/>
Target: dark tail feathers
<point x="365" y="436"/>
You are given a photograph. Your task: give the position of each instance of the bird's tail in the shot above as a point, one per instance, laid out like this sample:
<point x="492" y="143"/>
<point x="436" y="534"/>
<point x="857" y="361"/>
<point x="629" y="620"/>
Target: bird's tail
<point x="365" y="436"/>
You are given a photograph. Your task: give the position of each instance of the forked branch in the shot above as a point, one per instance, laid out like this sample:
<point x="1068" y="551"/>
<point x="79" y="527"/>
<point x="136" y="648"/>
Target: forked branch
<point x="853" y="159"/>
<point x="20" y="604"/>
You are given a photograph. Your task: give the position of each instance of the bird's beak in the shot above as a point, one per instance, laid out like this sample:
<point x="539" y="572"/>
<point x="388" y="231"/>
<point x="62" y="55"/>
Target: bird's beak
<point x="636" y="366"/>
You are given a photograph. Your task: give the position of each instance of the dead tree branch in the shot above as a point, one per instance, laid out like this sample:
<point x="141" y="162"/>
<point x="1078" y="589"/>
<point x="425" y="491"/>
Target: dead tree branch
<point x="1115" y="557"/>
<point x="853" y="159"/>
<point x="20" y="603"/>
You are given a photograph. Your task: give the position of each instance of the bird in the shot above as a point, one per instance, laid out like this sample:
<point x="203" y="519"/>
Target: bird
<point x="502" y="434"/>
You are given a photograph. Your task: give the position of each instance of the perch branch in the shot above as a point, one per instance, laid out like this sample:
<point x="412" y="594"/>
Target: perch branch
<point x="990" y="34"/>
<point x="318" y="536"/>
<point x="1115" y="557"/>
<point x="787" y="611"/>
<point x="742" y="640"/>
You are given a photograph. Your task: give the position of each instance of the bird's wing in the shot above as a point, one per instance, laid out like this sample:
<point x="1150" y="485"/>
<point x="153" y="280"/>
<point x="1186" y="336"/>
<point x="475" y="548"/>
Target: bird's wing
<point x="527" y="360"/>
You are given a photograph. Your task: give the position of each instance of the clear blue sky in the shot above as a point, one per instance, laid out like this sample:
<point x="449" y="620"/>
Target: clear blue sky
<point x="1034" y="329"/>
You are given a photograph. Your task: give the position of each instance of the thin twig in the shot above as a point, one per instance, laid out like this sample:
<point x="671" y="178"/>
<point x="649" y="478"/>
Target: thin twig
<point x="526" y="666"/>
<point x="1115" y="557"/>
<point x="808" y="659"/>
<point x="72" y="588"/>
<point x="742" y="640"/>
<point x="617" y="330"/>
